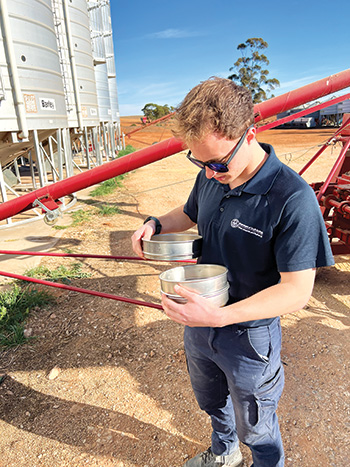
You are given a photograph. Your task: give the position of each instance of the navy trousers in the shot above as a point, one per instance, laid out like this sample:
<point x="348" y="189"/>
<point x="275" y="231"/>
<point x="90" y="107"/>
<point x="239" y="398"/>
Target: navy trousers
<point x="237" y="377"/>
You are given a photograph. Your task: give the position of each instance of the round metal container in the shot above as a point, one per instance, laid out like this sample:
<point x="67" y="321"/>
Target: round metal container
<point x="168" y="247"/>
<point x="218" y="298"/>
<point x="204" y="278"/>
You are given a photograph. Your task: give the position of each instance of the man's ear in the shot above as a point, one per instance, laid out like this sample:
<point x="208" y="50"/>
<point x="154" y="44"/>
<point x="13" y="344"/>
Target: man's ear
<point x="251" y="135"/>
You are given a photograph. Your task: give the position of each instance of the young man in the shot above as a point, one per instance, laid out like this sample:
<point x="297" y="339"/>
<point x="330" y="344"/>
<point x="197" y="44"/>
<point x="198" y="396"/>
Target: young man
<point x="262" y="221"/>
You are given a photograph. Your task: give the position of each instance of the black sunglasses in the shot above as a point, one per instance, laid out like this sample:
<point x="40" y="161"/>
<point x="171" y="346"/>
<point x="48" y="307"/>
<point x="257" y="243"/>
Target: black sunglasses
<point x="219" y="166"/>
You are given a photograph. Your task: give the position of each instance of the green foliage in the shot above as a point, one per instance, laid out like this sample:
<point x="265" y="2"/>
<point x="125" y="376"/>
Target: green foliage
<point x="155" y="111"/>
<point x="15" y="306"/>
<point x="80" y="216"/>
<point x="128" y="150"/>
<point x="107" y="187"/>
<point x="107" y="210"/>
<point x="60" y="274"/>
<point x="250" y="69"/>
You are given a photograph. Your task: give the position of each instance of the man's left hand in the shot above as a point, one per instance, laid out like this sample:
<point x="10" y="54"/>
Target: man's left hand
<point x="197" y="312"/>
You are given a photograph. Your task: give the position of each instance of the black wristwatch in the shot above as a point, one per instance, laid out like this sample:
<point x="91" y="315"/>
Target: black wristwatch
<point x="158" y="224"/>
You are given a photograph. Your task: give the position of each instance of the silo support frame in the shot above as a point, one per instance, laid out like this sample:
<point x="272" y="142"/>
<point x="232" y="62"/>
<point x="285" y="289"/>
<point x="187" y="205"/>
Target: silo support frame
<point x="55" y="175"/>
<point x="39" y="161"/>
<point x="50" y="161"/>
<point x="86" y="140"/>
<point x="105" y="142"/>
<point x="18" y="175"/>
<point x="3" y="192"/>
<point x="96" y="135"/>
<point x="32" y="172"/>
<point x="112" y="130"/>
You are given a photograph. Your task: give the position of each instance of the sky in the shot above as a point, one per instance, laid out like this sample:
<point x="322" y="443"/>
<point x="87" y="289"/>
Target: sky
<point x="163" y="49"/>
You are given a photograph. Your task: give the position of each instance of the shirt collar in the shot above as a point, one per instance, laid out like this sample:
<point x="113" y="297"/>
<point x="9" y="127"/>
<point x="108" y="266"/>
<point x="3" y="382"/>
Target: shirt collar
<point x="262" y="181"/>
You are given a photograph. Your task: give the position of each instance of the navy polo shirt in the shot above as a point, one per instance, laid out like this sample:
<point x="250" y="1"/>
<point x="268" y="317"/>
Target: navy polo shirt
<point x="270" y="224"/>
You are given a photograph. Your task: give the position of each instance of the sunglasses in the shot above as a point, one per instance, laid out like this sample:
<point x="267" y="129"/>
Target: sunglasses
<point x="220" y="167"/>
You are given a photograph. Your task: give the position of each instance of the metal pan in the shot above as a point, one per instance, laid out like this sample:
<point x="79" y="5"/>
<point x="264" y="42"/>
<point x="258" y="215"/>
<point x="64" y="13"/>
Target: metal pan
<point x="219" y="297"/>
<point x="170" y="247"/>
<point x="204" y="278"/>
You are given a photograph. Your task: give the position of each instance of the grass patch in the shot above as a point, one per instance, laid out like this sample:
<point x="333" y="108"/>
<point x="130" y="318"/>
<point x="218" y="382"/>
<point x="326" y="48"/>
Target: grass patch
<point x="106" y="210"/>
<point x="60" y="227"/>
<point x="80" y="216"/>
<point x="128" y="150"/>
<point x="60" y="274"/>
<point x="15" y="306"/>
<point x="107" y="187"/>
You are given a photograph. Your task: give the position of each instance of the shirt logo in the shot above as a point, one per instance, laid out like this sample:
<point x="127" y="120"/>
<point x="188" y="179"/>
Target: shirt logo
<point x="235" y="224"/>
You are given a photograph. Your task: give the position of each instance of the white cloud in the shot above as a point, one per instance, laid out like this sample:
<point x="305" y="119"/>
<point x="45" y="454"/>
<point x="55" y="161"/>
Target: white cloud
<point x="297" y="83"/>
<point x="174" y="34"/>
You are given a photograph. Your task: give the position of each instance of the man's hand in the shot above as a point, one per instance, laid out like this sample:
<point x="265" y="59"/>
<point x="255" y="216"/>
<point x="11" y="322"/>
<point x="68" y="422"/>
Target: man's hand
<point x="198" y="311"/>
<point x="144" y="232"/>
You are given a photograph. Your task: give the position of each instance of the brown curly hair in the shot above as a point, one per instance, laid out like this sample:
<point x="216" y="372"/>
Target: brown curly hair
<point x="216" y="105"/>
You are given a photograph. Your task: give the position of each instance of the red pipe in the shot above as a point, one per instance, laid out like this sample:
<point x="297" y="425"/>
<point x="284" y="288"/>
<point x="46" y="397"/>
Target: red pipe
<point x="77" y="255"/>
<point x="168" y="147"/>
<point x="307" y="111"/>
<point x="151" y="123"/>
<point x="91" y="177"/>
<point x="77" y="289"/>
<point x="300" y="96"/>
<point x="67" y="255"/>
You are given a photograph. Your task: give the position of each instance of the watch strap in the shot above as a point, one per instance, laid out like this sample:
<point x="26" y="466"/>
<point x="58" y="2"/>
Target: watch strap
<point x="158" y="224"/>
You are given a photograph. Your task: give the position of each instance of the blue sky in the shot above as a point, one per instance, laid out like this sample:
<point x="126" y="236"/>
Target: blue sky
<point x="163" y="48"/>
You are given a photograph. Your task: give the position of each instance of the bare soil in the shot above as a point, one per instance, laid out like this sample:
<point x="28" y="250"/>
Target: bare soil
<point x="104" y="383"/>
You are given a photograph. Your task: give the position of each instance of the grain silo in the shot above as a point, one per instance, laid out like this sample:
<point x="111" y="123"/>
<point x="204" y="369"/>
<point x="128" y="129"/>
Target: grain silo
<point x="54" y="91"/>
<point x="73" y="35"/>
<point x="99" y="54"/>
<point x="32" y="87"/>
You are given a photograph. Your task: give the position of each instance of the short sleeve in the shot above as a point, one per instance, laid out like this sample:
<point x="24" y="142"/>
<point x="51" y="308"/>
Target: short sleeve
<point x="301" y="240"/>
<point x="191" y="206"/>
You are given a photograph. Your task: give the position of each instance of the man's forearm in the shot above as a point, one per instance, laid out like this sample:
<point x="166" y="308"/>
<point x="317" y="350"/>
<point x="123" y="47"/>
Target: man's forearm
<point x="175" y="221"/>
<point x="286" y="297"/>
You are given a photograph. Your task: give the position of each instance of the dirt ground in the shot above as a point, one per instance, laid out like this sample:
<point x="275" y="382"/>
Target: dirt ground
<point x="105" y="384"/>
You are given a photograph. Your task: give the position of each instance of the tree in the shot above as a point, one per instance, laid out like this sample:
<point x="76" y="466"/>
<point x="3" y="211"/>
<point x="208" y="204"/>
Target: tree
<point x="155" y="111"/>
<point x="250" y="71"/>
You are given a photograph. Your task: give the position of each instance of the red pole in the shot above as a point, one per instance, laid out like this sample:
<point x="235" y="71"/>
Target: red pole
<point x="307" y="111"/>
<point x="151" y="123"/>
<point x="300" y="96"/>
<point x="77" y="289"/>
<point x="91" y="177"/>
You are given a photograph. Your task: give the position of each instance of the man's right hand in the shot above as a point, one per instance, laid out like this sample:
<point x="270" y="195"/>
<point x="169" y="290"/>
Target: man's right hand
<point x="144" y="232"/>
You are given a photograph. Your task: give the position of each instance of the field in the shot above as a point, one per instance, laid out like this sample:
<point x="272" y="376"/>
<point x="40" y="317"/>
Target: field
<point x="105" y="383"/>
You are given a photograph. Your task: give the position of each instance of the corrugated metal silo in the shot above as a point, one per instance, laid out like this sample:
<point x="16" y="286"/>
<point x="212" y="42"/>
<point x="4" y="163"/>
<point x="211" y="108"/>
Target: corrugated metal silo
<point x="99" y="54"/>
<point x="80" y="31"/>
<point x="108" y="40"/>
<point x="30" y="68"/>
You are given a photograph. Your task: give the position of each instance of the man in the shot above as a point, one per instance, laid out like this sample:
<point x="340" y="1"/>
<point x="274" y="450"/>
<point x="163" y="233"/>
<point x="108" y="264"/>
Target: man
<point x="261" y="220"/>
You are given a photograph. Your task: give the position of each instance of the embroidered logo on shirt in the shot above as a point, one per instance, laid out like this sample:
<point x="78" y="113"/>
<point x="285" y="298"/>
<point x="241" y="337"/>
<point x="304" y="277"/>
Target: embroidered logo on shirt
<point x="235" y="224"/>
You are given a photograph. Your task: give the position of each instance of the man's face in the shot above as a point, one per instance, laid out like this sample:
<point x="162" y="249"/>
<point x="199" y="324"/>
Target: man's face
<point x="216" y="148"/>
